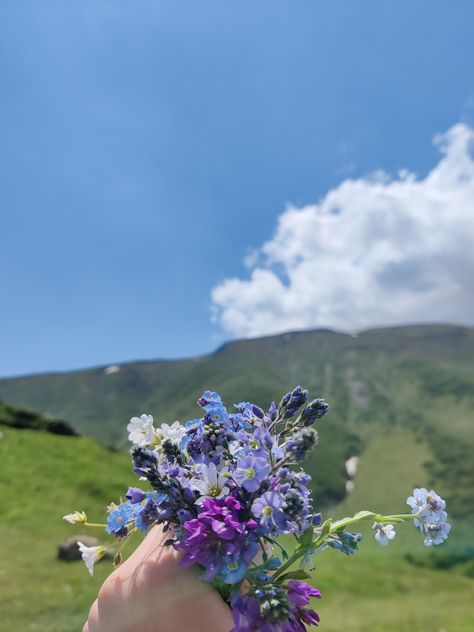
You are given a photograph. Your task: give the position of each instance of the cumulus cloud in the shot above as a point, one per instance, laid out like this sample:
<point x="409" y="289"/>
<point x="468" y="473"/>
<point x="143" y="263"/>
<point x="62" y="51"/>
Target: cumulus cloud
<point x="374" y="251"/>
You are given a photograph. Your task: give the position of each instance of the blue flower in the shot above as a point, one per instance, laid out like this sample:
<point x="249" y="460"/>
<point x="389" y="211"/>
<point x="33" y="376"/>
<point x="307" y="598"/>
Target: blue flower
<point x="345" y="542"/>
<point x="269" y="509"/>
<point x="217" y="414"/>
<point x="118" y="518"/>
<point x="250" y="472"/>
<point x="209" y="398"/>
<point x="194" y="425"/>
<point x="234" y="571"/>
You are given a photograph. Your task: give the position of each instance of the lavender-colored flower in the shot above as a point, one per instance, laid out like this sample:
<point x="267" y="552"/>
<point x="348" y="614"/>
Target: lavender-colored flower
<point x="428" y="504"/>
<point x="436" y="532"/>
<point x="251" y="472"/>
<point x="273" y="411"/>
<point x="268" y="508"/>
<point x="262" y="443"/>
<point x="383" y="532"/>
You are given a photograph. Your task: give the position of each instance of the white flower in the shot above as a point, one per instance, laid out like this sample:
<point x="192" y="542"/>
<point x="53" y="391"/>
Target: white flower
<point x="91" y="555"/>
<point x="140" y="430"/>
<point x="173" y="433"/>
<point x="211" y="484"/>
<point x="383" y="532"/>
<point x="76" y="517"/>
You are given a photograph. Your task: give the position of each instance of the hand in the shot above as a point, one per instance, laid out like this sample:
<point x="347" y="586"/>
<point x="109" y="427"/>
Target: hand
<point x="149" y="592"/>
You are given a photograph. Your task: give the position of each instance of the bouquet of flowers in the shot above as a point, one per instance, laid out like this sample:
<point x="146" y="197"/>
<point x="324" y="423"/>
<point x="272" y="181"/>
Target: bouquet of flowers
<point x="225" y="486"/>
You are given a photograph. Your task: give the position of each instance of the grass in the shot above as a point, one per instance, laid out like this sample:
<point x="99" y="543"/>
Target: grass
<point x="46" y="476"/>
<point x="43" y="477"/>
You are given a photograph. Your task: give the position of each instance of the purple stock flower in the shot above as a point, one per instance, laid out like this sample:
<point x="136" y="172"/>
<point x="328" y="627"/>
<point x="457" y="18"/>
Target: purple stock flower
<point x="300" y="593"/>
<point x="251" y="472"/>
<point x="219" y="540"/>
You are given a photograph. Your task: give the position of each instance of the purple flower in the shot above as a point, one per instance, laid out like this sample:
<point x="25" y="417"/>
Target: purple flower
<point x="268" y="508"/>
<point x="135" y="495"/>
<point x="300" y="593"/>
<point x="147" y="515"/>
<point x="261" y="443"/>
<point x="218" y="538"/>
<point x="251" y="472"/>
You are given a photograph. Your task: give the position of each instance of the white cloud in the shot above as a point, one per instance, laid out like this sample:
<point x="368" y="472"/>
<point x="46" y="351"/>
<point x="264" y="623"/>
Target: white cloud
<point x="373" y="251"/>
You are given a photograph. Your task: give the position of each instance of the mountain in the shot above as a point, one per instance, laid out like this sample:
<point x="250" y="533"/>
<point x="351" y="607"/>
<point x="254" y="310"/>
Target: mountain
<point x="415" y="380"/>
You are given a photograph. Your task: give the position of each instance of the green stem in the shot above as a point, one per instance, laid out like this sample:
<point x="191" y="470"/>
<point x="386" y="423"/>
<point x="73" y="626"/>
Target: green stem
<point x="94" y="524"/>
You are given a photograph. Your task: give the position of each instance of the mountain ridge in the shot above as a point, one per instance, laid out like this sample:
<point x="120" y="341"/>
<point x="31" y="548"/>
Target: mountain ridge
<point x="414" y="378"/>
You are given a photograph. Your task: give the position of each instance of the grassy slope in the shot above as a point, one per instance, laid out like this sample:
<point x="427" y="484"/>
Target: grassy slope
<point x="43" y="477"/>
<point x="420" y="378"/>
<point x="46" y="476"/>
<point x="377" y="590"/>
<point x="402" y="399"/>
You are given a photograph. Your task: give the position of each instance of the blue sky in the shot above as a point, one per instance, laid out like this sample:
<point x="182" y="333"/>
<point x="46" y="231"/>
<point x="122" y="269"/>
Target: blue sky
<point x="147" y="148"/>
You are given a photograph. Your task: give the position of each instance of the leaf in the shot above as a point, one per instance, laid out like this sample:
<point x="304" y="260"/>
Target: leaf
<point x="360" y="515"/>
<point x="325" y="529"/>
<point x="306" y="539"/>
<point x="297" y="574"/>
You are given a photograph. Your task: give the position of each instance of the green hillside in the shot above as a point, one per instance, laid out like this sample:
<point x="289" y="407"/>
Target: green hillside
<point x="418" y="378"/>
<point x="45" y="475"/>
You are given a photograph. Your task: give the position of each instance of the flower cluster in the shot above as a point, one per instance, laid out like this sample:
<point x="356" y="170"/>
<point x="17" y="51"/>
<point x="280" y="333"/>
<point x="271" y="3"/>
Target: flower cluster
<point x="226" y="485"/>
